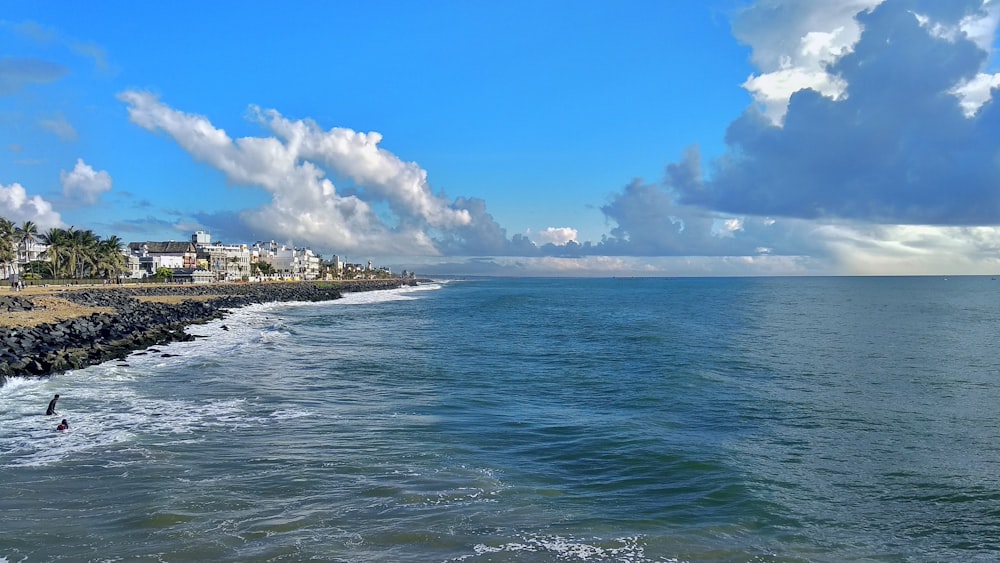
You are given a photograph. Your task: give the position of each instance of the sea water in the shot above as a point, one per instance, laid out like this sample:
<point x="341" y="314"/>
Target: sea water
<point x="758" y="419"/>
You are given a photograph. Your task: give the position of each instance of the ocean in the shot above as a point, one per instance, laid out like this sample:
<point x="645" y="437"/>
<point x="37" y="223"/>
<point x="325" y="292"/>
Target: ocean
<point x="630" y="420"/>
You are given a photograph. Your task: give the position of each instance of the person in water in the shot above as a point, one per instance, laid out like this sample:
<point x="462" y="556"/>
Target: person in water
<point x="52" y="406"/>
<point x="63" y="425"/>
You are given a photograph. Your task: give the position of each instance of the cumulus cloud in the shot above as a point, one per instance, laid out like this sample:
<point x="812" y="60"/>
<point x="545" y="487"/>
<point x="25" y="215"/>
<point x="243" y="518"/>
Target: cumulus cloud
<point x="17" y="206"/>
<point x="16" y="73"/>
<point x="896" y="148"/>
<point x="893" y="171"/>
<point x="482" y="236"/>
<point x="84" y="183"/>
<point x="792" y="43"/>
<point x="403" y="185"/>
<point x="556" y="235"/>
<point x="293" y="165"/>
<point x="649" y="221"/>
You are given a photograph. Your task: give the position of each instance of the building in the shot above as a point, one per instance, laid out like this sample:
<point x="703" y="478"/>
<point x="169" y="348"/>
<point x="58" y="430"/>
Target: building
<point x="155" y="255"/>
<point x="229" y="262"/>
<point x="188" y="275"/>
<point x="288" y="262"/>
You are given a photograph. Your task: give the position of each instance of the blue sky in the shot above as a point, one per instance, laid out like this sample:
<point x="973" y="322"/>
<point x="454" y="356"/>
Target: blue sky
<point x="777" y="137"/>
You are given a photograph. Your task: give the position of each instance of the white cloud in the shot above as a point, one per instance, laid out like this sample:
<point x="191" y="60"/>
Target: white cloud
<point x="976" y="92"/>
<point x="556" y="235"/>
<point x="305" y="204"/>
<point x="84" y="183"/>
<point x="772" y="90"/>
<point x="792" y="43"/>
<point x="17" y="206"/>
<point x="357" y="155"/>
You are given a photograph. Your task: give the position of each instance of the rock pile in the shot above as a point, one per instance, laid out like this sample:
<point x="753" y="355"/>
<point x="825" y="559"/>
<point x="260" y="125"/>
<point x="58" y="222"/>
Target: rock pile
<point x="52" y="348"/>
<point x="14" y="304"/>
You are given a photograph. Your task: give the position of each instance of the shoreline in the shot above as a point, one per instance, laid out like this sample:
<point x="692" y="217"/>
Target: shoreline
<point x="128" y="319"/>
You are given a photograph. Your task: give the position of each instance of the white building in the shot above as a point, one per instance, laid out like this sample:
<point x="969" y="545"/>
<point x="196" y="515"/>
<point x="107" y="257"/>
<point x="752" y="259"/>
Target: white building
<point x="229" y="262"/>
<point x="288" y="262"/>
<point x="145" y="258"/>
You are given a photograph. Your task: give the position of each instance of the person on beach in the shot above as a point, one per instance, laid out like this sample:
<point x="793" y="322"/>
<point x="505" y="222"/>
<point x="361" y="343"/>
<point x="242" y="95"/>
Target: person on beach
<point x="64" y="425"/>
<point x="52" y="406"/>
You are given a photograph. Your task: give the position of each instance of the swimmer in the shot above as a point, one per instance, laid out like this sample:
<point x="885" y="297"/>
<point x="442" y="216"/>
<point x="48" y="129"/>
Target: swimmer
<point x="63" y="425"/>
<point x="52" y="406"/>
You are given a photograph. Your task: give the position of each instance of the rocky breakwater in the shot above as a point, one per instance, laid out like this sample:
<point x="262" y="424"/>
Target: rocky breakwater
<point x="136" y="324"/>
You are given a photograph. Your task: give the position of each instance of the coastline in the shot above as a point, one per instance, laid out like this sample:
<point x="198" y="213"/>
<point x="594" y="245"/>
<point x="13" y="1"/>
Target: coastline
<point x="127" y="319"/>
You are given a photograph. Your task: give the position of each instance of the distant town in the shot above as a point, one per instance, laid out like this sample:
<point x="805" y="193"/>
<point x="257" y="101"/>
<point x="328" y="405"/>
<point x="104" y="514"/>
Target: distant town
<point x="70" y="254"/>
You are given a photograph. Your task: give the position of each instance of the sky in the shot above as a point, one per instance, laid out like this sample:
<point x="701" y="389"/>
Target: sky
<point x="517" y="138"/>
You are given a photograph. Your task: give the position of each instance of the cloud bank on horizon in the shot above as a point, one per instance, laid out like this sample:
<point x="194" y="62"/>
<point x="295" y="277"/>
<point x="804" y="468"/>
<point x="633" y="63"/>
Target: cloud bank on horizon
<point x="871" y="146"/>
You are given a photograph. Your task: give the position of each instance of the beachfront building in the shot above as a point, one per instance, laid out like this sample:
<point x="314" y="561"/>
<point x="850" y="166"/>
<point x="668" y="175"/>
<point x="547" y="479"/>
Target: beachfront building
<point x="133" y="268"/>
<point x="29" y="251"/>
<point x="335" y="268"/>
<point x="311" y="263"/>
<point x="367" y="271"/>
<point x="289" y="262"/>
<point x="353" y="271"/>
<point x="188" y="275"/>
<point x="24" y="253"/>
<point x="227" y="262"/>
<point x="145" y="258"/>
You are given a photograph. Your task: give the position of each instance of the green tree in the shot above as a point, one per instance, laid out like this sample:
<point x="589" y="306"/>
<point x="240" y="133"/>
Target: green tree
<point x="26" y="234"/>
<point x="58" y="242"/>
<point x="262" y="268"/>
<point x="162" y="273"/>
<point x="83" y="252"/>
<point x="109" y="258"/>
<point x="7" y="252"/>
<point x="40" y="268"/>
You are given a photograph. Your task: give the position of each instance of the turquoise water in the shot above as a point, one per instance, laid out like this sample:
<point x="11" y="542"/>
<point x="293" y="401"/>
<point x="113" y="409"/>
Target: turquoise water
<point x="790" y="419"/>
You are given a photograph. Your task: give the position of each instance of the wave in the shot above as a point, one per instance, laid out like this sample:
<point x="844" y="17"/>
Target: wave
<point x="103" y="406"/>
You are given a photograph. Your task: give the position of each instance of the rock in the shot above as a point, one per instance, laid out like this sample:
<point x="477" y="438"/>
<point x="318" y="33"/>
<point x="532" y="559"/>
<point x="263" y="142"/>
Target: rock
<point x="136" y="325"/>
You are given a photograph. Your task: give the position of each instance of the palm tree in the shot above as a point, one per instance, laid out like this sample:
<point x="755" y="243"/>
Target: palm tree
<point x="26" y="234"/>
<point x="57" y="241"/>
<point x="83" y="252"/>
<point x="7" y="254"/>
<point x="109" y="258"/>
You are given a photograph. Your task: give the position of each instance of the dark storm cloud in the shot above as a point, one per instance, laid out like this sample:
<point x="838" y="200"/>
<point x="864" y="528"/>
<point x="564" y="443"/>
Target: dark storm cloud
<point x="650" y="223"/>
<point x="896" y="149"/>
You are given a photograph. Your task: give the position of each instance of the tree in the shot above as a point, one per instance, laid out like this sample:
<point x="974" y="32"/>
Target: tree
<point x="57" y="241"/>
<point x="162" y="273"/>
<point x="26" y="234"/>
<point x="109" y="258"/>
<point x="83" y="252"/>
<point x="39" y="268"/>
<point x="262" y="268"/>
<point x="7" y="254"/>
